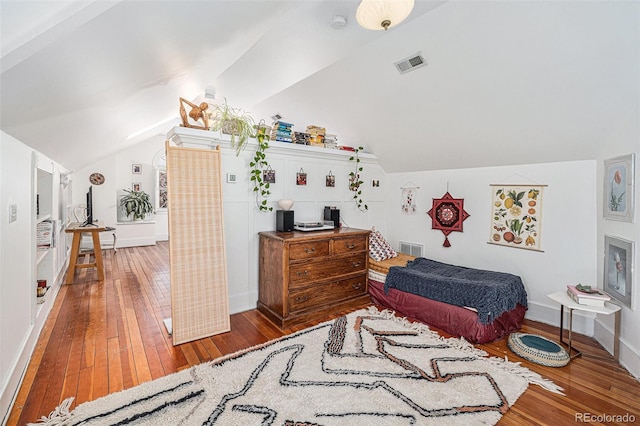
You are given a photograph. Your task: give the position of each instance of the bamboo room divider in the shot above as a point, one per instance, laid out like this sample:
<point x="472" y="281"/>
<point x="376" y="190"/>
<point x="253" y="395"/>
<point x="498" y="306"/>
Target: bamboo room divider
<point x="198" y="271"/>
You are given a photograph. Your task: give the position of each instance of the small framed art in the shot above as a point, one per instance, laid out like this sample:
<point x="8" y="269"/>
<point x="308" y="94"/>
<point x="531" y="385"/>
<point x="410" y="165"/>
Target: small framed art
<point x="136" y="186"/>
<point x="618" y="269"/>
<point x="619" y="187"/>
<point x="136" y="169"/>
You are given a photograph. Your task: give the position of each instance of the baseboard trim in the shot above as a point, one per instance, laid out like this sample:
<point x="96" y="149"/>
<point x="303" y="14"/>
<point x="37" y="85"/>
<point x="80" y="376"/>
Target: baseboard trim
<point x="629" y="356"/>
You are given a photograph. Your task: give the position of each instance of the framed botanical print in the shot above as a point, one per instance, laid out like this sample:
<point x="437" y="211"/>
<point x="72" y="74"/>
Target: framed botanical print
<point x="516" y="216"/>
<point x="619" y="188"/>
<point x="618" y="269"/>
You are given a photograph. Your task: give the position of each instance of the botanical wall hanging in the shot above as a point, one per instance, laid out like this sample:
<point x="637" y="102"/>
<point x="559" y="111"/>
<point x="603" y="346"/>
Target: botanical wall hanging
<point x="447" y="215"/>
<point x="516" y="219"/>
<point x="619" y="188"/>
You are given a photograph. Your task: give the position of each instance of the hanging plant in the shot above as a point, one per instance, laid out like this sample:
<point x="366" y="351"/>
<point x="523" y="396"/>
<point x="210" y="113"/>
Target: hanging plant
<point x="355" y="182"/>
<point x="258" y="165"/>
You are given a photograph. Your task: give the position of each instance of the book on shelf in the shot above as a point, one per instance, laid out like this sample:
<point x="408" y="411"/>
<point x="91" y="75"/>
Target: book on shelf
<point x="587" y="298"/>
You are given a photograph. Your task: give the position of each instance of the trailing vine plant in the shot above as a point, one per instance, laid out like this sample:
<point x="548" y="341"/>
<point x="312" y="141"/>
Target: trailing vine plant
<point x="258" y="164"/>
<point x="355" y="182"/>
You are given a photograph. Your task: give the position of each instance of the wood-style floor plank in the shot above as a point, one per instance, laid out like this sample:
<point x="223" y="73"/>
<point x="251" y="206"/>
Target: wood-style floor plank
<point x="103" y="337"/>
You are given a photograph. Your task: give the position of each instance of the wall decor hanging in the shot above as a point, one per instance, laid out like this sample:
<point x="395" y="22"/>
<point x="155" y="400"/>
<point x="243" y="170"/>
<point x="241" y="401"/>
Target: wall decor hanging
<point x="269" y="175"/>
<point x="301" y="177"/>
<point x="516" y="219"/>
<point x="447" y="215"/>
<point x="331" y="180"/>
<point x="619" y="188"/>
<point x="136" y="169"/>
<point x="409" y="192"/>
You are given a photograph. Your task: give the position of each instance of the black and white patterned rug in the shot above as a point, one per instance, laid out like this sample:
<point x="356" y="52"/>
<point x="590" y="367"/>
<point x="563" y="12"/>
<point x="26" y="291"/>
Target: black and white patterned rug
<point x="365" y="368"/>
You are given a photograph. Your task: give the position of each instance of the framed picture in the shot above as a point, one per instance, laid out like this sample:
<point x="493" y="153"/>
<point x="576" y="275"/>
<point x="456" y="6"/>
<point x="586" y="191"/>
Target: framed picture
<point x="618" y="269"/>
<point x="136" y="169"/>
<point x="301" y="178"/>
<point x="330" y="181"/>
<point x="269" y="175"/>
<point x="516" y="216"/>
<point x="136" y="186"/>
<point x="619" y="188"/>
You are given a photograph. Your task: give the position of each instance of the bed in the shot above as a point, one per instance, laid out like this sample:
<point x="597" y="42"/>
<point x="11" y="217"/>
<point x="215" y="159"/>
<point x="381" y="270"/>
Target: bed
<point x="481" y="306"/>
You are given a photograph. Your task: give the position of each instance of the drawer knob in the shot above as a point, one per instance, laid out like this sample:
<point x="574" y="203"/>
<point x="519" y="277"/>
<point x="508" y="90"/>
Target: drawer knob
<point x="302" y="274"/>
<point x="355" y="286"/>
<point x="309" y="250"/>
<point x="350" y="246"/>
<point x="300" y="299"/>
<point x="356" y="264"/>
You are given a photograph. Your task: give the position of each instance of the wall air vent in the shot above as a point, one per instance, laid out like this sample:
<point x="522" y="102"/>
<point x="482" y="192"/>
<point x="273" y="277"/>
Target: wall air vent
<point x="410" y="63"/>
<point x="411" y="249"/>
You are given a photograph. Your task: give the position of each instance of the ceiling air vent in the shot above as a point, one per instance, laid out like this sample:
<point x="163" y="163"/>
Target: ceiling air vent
<point x="410" y="63"/>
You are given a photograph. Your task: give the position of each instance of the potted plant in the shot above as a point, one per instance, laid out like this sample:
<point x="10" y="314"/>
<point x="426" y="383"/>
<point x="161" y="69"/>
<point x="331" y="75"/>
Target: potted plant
<point x="136" y="203"/>
<point x="235" y="122"/>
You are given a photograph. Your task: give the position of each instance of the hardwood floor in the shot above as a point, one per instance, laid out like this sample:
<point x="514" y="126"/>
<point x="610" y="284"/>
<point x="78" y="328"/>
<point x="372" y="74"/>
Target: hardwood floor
<point x="102" y="337"/>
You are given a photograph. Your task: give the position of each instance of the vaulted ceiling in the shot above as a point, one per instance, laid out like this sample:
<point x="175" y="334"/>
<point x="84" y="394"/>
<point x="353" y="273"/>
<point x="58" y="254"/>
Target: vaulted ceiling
<point x="511" y="82"/>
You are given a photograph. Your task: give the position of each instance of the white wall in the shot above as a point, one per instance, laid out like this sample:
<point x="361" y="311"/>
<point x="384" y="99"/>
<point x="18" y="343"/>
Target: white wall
<point x="622" y="142"/>
<point x="16" y="176"/>
<point x="567" y="234"/>
<point x="118" y="173"/>
<point x="243" y="221"/>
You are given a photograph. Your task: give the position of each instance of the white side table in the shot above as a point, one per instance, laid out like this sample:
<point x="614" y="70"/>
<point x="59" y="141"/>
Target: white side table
<point x="609" y="308"/>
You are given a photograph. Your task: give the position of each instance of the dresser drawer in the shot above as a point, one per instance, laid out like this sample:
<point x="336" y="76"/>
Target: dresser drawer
<point x="301" y="275"/>
<point x="307" y="250"/>
<point x="348" y="245"/>
<point x="321" y="295"/>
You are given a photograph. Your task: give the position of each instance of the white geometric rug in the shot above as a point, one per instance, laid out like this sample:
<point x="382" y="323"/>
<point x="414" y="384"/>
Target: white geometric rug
<point x="368" y="368"/>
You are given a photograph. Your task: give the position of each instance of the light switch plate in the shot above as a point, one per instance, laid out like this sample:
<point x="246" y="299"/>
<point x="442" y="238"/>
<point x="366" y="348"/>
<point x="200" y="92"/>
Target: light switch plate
<point x="232" y="178"/>
<point x="13" y="212"/>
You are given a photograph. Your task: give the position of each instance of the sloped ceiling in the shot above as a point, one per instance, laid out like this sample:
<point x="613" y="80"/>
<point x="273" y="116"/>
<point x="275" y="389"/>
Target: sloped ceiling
<point x="506" y="82"/>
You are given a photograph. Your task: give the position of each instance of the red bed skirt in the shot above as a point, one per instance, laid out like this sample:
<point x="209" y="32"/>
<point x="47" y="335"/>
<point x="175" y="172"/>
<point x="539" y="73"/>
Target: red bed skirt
<point x="452" y="319"/>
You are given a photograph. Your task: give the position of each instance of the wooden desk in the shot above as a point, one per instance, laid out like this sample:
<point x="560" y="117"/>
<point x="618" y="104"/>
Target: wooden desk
<point x="609" y="308"/>
<point x="77" y="230"/>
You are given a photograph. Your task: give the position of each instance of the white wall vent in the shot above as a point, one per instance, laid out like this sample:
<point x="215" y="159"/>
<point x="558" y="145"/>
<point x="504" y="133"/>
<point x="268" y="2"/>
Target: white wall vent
<point x="410" y="63"/>
<point x="412" y="249"/>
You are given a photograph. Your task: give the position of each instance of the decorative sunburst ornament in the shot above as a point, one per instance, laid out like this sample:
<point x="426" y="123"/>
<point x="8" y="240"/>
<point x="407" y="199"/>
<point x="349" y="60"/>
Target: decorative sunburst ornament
<point x="447" y="215"/>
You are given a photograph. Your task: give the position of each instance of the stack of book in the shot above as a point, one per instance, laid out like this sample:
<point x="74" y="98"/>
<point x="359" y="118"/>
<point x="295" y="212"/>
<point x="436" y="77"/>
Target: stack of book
<point x="44" y="231"/>
<point x="316" y="135"/>
<point x="301" y="138"/>
<point x="281" y="132"/>
<point x="589" y="298"/>
<point x="330" y="141"/>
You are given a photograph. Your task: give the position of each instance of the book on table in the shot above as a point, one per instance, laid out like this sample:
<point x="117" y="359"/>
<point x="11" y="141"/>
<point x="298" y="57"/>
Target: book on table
<point x="587" y="298"/>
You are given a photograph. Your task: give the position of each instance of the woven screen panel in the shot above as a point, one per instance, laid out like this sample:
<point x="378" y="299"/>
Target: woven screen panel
<point x="199" y="293"/>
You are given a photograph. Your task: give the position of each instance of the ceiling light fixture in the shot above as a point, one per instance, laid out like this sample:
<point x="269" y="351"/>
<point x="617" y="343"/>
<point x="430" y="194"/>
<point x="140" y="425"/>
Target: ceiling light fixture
<point x="383" y="14"/>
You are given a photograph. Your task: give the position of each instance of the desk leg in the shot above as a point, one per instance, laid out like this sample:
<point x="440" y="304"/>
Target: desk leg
<point x="570" y="329"/>
<point x="75" y="250"/>
<point x="97" y="251"/>
<point x="616" y="336"/>
<point x="561" y="322"/>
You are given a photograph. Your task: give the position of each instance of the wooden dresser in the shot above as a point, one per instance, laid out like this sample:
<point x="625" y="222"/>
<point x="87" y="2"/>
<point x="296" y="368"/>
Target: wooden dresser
<point x="305" y="275"/>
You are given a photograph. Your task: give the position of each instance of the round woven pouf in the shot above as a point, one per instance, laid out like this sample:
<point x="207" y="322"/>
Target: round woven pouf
<point x="538" y="349"/>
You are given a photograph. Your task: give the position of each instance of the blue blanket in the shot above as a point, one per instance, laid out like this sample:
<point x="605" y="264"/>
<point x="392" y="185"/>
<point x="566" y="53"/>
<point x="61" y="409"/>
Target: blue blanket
<point x="490" y="293"/>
